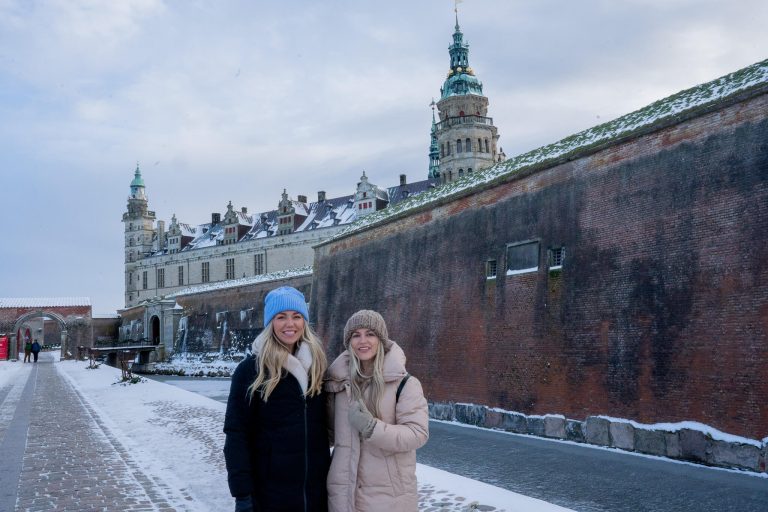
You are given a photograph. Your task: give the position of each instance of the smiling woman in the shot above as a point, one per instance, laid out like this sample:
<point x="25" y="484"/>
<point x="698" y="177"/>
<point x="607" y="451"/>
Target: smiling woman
<point x="380" y="418"/>
<point x="276" y="446"/>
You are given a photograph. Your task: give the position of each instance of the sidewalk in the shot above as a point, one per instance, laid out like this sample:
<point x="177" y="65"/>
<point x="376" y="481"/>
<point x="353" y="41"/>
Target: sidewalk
<point x="77" y="441"/>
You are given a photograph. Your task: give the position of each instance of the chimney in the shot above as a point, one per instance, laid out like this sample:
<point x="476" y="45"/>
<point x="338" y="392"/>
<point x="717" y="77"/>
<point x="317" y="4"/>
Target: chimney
<point x="303" y="199"/>
<point x="402" y="180"/>
<point x="244" y="209"/>
<point x="160" y="235"/>
<point x="215" y="218"/>
<point x="321" y="196"/>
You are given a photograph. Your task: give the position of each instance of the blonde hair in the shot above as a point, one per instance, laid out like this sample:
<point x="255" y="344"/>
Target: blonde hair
<point x="272" y="356"/>
<point x="368" y="387"/>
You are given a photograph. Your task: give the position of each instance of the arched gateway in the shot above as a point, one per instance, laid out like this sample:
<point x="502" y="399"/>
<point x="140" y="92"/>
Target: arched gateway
<point x="72" y="315"/>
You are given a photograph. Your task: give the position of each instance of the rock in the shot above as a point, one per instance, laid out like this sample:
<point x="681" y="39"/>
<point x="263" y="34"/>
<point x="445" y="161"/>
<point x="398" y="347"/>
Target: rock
<point x="470" y="414"/>
<point x="672" y="443"/>
<point x="622" y="435"/>
<point x="693" y="445"/>
<point x="574" y="430"/>
<point x="442" y="411"/>
<point x="738" y="455"/>
<point x="554" y="426"/>
<point x="536" y="426"/>
<point x="650" y="441"/>
<point x="596" y="431"/>
<point x="514" y="422"/>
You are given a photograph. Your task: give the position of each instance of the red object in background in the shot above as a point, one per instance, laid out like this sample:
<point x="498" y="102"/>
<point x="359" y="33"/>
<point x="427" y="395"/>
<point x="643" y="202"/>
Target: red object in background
<point x="3" y="348"/>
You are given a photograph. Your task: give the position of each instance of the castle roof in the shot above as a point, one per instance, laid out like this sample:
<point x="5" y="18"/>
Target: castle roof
<point x="338" y="211"/>
<point x="668" y="111"/>
<point x="43" y="302"/>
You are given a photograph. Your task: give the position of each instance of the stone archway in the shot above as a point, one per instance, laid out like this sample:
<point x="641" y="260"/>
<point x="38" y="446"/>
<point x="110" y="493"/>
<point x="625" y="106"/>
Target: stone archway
<point x="154" y="329"/>
<point x="46" y="314"/>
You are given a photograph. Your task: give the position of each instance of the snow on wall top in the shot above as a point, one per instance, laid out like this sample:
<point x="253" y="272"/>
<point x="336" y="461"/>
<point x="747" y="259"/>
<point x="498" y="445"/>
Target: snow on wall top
<point x="43" y="302"/>
<point x="661" y="111"/>
<point x="244" y="281"/>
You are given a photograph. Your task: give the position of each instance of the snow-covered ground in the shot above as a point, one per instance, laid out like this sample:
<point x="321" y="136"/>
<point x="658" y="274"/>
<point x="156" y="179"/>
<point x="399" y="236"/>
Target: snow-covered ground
<point x="8" y="372"/>
<point x="177" y="437"/>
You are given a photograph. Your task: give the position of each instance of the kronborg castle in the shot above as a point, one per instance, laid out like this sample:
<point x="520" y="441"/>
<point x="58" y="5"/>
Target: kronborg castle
<point x="618" y="273"/>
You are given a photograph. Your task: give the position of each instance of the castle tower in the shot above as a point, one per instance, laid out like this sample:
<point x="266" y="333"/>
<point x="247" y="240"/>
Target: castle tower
<point x="466" y="137"/>
<point x="139" y="229"/>
<point x="434" y="149"/>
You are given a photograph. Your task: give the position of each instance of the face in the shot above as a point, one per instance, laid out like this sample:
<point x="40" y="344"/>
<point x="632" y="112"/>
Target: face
<point x="288" y="327"/>
<point x="365" y="344"/>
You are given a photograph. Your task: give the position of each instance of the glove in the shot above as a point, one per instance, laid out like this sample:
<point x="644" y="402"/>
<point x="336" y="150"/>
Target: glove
<point x="244" y="504"/>
<point x="360" y="419"/>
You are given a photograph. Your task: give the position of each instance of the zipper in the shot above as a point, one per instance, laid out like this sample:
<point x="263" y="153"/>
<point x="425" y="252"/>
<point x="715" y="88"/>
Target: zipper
<point x="306" y="455"/>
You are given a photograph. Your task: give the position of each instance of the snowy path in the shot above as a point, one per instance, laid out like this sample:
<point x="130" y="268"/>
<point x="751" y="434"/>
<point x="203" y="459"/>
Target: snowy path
<point x="97" y="445"/>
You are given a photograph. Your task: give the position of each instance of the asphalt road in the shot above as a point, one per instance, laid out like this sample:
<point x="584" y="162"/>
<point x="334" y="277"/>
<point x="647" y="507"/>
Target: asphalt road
<point x="589" y="479"/>
<point x="582" y="478"/>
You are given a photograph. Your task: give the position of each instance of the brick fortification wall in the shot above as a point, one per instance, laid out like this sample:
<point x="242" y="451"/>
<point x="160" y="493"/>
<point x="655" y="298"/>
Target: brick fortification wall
<point x="238" y="310"/>
<point x="659" y="314"/>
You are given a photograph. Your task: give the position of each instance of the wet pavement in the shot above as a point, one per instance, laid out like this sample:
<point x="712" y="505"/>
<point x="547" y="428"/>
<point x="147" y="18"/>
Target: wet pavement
<point x="57" y="456"/>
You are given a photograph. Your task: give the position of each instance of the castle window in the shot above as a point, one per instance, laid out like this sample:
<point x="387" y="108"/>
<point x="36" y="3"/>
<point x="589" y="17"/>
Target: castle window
<point x="161" y="278"/>
<point x="479" y="145"/>
<point x="130" y="278"/>
<point x="230" y="270"/>
<point x="469" y="170"/>
<point x="442" y="149"/>
<point x="522" y="257"/>
<point x="458" y="145"/>
<point x="144" y="280"/>
<point x="556" y="258"/>
<point x="258" y="264"/>
<point x="490" y="269"/>
<point x="486" y="146"/>
<point x="181" y="275"/>
<point x="468" y="145"/>
<point x="206" y="271"/>
<point x="461" y="173"/>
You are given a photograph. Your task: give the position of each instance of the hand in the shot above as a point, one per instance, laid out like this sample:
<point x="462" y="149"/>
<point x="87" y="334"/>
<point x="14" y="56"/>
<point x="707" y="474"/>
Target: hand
<point x="244" y="504"/>
<point x="361" y="419"/>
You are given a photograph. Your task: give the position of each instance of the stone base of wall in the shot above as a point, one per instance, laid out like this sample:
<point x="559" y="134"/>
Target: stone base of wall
<point x="682" y="444"/>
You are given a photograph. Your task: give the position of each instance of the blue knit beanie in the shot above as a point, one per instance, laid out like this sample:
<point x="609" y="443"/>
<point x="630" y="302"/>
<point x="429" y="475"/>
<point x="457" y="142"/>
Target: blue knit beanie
<point x="282" y="299"/>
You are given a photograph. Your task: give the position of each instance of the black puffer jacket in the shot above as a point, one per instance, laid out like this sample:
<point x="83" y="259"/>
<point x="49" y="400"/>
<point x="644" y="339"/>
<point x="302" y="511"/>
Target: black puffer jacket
<point x="277" y="451"/>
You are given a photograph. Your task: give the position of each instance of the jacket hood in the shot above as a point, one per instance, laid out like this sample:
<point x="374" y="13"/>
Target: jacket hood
<point x="338" y="372"/>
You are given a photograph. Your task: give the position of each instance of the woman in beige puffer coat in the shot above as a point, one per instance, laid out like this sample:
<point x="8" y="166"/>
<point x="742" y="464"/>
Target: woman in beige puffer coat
<point x="375" y="433"/>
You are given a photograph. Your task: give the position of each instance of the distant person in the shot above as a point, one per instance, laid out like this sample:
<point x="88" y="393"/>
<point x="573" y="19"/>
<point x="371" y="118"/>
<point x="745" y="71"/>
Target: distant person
<point x="35" y="349"/>
<point x="27" y="351"/>
<point x="380" y="418"/>
<point x="276" y="447"/>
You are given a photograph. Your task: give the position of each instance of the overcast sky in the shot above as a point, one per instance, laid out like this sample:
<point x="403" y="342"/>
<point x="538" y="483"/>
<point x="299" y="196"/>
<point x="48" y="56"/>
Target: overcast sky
<point x="235" y="100"/>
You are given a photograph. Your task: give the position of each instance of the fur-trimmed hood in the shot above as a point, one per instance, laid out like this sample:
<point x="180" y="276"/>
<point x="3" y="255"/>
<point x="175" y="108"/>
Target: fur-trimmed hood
<point x="338" y="373"/>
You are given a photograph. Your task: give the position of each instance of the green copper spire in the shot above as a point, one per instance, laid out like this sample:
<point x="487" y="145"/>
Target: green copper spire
<point x="434" y="149"/>
<point x="137" y="186"/>
<point x="461" y="79"/>
<point x="138" y="181"/>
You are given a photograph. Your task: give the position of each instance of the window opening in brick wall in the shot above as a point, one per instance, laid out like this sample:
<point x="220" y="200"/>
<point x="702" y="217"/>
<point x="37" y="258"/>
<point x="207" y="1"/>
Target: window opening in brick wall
<point x="161" y="278"/>
<point x="490" y="269"/>
<point x="230" y="271"/>
<point x="522" y="257"/>
<point x="181" y="275"/>
<point x="556" y="258"/>
<point x="258" y="264"/>
<point x="144" y="280"/>
<point x="206" y="270"/>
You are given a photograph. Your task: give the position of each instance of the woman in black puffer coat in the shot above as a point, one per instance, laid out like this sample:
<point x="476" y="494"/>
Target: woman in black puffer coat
<point x="276" y="446"/>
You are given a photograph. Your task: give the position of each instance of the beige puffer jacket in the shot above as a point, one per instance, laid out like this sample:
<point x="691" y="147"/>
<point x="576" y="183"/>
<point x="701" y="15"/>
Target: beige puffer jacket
<point x="379" y="473"/>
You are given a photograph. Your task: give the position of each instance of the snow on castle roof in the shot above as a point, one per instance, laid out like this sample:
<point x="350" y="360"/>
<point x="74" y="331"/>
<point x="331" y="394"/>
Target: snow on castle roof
<point x="43" y="302"/>
<point x="244" y="281"/>
<point x="662" y="111"/>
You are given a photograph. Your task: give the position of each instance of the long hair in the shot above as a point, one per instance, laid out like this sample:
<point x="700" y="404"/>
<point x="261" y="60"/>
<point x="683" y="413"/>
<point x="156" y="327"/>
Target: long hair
<point x="368" y="387"/>
<point x="272" y="356"/>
